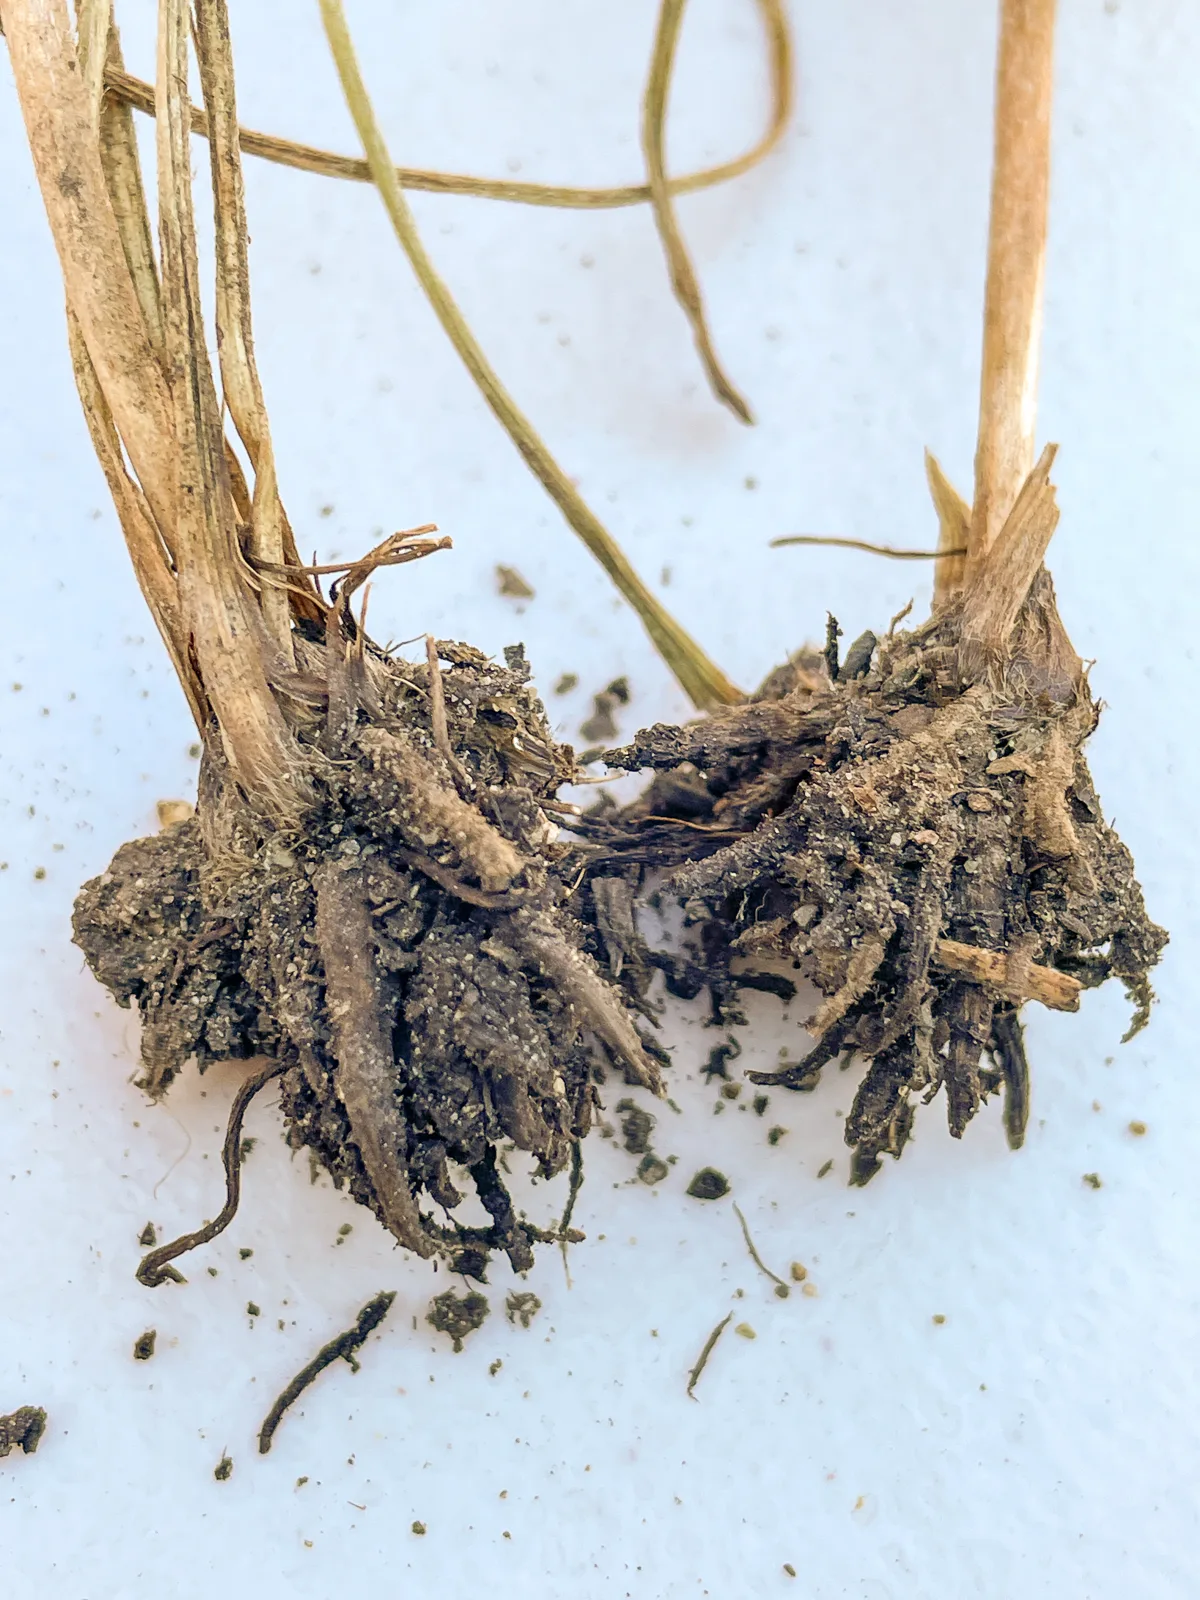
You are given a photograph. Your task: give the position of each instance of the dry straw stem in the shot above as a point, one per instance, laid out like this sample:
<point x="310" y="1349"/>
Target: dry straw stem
<point x="684" y="282"/>
<point x="700" y="678"/>
<point x="1016" y="268"/>
<point x="125" y="89"/>
<point x="142" y="367"/>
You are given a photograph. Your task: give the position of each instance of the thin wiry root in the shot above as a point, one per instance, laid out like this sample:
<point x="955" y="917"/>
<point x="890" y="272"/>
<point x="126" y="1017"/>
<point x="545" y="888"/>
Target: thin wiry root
<point x="154" y="1268"/>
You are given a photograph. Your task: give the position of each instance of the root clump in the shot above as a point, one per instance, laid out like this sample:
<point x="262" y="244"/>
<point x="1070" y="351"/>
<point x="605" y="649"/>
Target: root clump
<point x="919" y="837"/>
<point x="404" y="950"/>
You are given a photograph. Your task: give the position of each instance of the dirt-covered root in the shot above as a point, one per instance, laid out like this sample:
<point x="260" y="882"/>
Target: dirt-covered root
<point x="931" y="855"/>
<point x="406" y="952"/>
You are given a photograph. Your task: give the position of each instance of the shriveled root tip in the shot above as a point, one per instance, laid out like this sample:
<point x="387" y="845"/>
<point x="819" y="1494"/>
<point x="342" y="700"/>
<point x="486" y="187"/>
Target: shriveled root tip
<point x="930" y="854"/>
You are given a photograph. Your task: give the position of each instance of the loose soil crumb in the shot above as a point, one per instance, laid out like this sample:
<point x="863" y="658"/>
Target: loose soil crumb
<point x="601" y="725"/>
<point x="652" y="1169"/>
<point x="457" y="1316"/>
<point x="223" y="1469"/>
<point x="568" y="681"/>
<point x="522" y="1308"/>
<point x="1093" y="1180"/>
<point x="774" y="1135"/>
<point x="419" y="1529"/>
<point x="1137" y="1129"/>
<point x="143" y="1347"/>
<point x="708" y="1184"/>
<point x="637" y="1125"/>
<point x="22" y="1430"/>
<point x="148" y="1236"/>
<point x="745" y="1331"/>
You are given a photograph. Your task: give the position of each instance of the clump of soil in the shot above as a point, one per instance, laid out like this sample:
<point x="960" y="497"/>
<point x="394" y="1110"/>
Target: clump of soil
<point x="22" y="1430"/>
<point x="458" y="1316"/>
<point x="405" y="952"/>
<point x="708" y="1184"/>
<point x="915" y="830"/>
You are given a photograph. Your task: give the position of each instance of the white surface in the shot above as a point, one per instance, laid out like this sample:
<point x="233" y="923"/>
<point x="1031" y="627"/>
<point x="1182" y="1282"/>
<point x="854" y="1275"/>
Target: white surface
<point x="1043" y="1441"/>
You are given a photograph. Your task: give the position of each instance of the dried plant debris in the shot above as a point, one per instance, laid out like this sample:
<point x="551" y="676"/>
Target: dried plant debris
<point x="915" y="829"/>
<point x="402" y="953"/>
<point x="458" y="1316"/>
<point x="512" y="585"/>
<point x="22" y="1430"/>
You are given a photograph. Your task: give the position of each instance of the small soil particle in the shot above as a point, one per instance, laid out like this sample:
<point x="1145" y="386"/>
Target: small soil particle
<point x="143" y="1348"/>
<point x="708" y="1184"/>
<point x="522" y="1308"/>
<point x="1093" y="1180"/>
<point x="419" y="1529"/>
<point x="1137" y="1129"/>
<point x="799" y="1272"/>
<point x="223" y="1469"/>
<point x="637" y="1125"/>
<point x="789" y="1569"/>
<point x="745" y="1331"/>
<point x="938" y="1318"/>
<point x="495" y="1367"/>
<point x="775" y="1134"/>
<point x="652" y="1169"/>
<point x="456" y="1315"/>
<point x="568" y="681"/>
<point x="245" y="1254"/>
<point x="148" y="1237"/>
<point x="730" y="1091"/>
<point x="761" y="1102"/>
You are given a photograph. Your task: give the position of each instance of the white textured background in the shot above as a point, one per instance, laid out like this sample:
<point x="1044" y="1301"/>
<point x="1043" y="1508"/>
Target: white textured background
<point x="1043" y="1441"/>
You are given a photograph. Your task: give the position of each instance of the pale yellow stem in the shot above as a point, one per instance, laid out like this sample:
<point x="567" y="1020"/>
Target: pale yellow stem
<point x="1015" y="270"/>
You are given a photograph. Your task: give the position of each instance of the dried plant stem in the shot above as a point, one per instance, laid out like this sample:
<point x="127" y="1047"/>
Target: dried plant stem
<point x="1015" y="270"/>
<point x="888" y="550"/>
<point x="127" y="90"/>
<point x="954" y="528"/>
<point x="224" y="623"/>
<point x="235" y="341"/>
<point x="700" y="678"/>
<point x="684" y="283"/>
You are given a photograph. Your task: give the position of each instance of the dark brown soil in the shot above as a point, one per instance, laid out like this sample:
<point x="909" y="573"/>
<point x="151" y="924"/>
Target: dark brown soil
<point x="923" y="846"/>
<point x="22" y="1430"/>
<point x="407" y="952"/>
